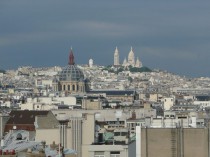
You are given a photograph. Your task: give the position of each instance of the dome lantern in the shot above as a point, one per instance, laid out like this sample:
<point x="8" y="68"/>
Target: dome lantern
<point x="71" y="58"/>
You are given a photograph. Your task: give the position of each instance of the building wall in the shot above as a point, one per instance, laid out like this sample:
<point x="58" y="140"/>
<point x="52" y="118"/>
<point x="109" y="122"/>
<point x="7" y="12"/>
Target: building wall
<point x="107" y="149"/>
<point x="174" y="142"/>
<point x="89" y="129"/>
<point x="3" y="121"/>
<point x="72" y="86"/>
<point x="70" y="100"/>
<point x="69" y="138"/>
<point x="76" y="136"/>
<point x="27" y="106"/>
<point x="107" y="115"/>
<point x="54" y="135"/>
<point x="196" y="142"/>
<point x="168" y="103"/>
<point x="88" y="133"/>
<point x="91" y="105"/>
<point x="153" y="97"/>
<point x="48" y="121"/>
<point x="129" y="98"/>
<point x="132" y="149"/>
<point x="48" y="135"/>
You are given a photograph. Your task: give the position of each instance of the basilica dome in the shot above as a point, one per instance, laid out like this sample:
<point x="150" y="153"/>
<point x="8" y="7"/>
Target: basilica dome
<point x="131" y="57"/>
<point x="131" y="54"/>
<point x="71" y="79"/>
<point x="71" y="72"/>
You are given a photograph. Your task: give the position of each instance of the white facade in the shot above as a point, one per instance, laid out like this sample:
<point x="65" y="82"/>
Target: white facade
<point x="6" y="104"/>
<point x="130" y="61"/>
<point x="107" y="151"/>
<point x="125" y="62"/>
<point x="131" y="58"/>
<point x="202" y="104"/>
<point x="168" y="103"/>
<point x="38" y="106"/>
<point x="138" y="63"/>
<point x="43" y="83"/>
<point x="90" y="63"/>
<point x="116" y="57"/>
<point x="47" y="103"/>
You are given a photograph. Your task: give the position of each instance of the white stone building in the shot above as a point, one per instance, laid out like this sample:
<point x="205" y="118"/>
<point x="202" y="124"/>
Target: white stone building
<point x="130" y="61"/>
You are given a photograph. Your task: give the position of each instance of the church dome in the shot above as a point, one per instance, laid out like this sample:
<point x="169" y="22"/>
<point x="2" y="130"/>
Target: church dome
<point x="71" y="72"/>
<point x="131" y="54"/>
<point x="131" y="58"/>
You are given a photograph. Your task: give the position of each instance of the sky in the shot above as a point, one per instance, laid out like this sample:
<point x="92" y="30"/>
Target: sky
<point x="167" y="35"/>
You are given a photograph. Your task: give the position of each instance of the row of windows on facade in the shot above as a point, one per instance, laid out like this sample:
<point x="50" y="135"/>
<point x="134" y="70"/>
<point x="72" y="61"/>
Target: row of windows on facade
<point x="72" y="88"/>
<point x="112" y="154"/>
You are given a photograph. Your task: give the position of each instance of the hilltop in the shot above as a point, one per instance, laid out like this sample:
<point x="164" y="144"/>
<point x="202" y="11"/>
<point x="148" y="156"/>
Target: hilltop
<point x="118" y="69"/>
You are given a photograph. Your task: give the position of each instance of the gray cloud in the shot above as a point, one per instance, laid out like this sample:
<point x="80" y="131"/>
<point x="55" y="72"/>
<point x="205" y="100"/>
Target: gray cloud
<point x="168" y="35"/>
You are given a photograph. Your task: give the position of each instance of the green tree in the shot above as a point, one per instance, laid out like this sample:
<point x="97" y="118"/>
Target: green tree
<point x="130" y="79"/>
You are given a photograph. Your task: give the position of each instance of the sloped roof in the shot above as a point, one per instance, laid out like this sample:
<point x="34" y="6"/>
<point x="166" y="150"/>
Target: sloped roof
<point x="113" y="92"/>
<point x="25" y="116"/>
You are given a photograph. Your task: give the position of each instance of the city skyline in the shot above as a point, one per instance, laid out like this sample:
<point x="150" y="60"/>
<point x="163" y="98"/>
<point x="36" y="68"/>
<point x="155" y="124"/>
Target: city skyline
<point x="172" y="36"/>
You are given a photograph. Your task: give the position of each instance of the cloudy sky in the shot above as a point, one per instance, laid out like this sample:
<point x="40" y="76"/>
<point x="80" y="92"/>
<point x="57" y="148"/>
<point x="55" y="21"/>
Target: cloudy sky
<point x="168" y="35"/>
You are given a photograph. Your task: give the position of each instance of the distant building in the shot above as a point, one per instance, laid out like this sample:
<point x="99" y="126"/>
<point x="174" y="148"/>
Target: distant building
<point x="90" y="63"/>
<point x="127" y="62"/>
<point x="131" y="58"/>
<point x="138" y="63"/>
<point x="116" y="57"/>
<point x="71" y="78"/>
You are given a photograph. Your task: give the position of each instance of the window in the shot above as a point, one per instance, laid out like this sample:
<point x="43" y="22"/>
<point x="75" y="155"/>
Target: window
<point x="124" y="133"/>
<point x="99" y="154"/>
<point x="116" y="133"/>
<point x="115" y="154"/>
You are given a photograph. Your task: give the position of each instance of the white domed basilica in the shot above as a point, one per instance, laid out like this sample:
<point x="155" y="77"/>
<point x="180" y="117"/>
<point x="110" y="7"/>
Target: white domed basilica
<point x="131" y="58"/>
<point x="71" y="79"/>
<point x="127" y="62"/>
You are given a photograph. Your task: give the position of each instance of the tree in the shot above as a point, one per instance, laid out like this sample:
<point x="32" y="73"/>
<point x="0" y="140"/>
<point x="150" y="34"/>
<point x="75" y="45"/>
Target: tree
<point x="130" y="79"/>
<point x="142" y="69"/>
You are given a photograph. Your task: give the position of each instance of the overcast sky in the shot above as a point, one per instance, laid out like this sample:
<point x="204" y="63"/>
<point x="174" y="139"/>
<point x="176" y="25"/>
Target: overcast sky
<point x="168" y="35"/>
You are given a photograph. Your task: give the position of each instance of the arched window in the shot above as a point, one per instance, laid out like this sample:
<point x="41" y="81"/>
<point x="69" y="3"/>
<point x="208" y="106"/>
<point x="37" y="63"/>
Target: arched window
<point x="77" y="87"/>
<point x="73" y="87"/>
<point x="64" y="87"/>
<point x="19" y="136"/>
<point x="68" y="87"/>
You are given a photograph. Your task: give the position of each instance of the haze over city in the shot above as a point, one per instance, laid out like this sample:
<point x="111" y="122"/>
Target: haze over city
<point x="172" y="36"/>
